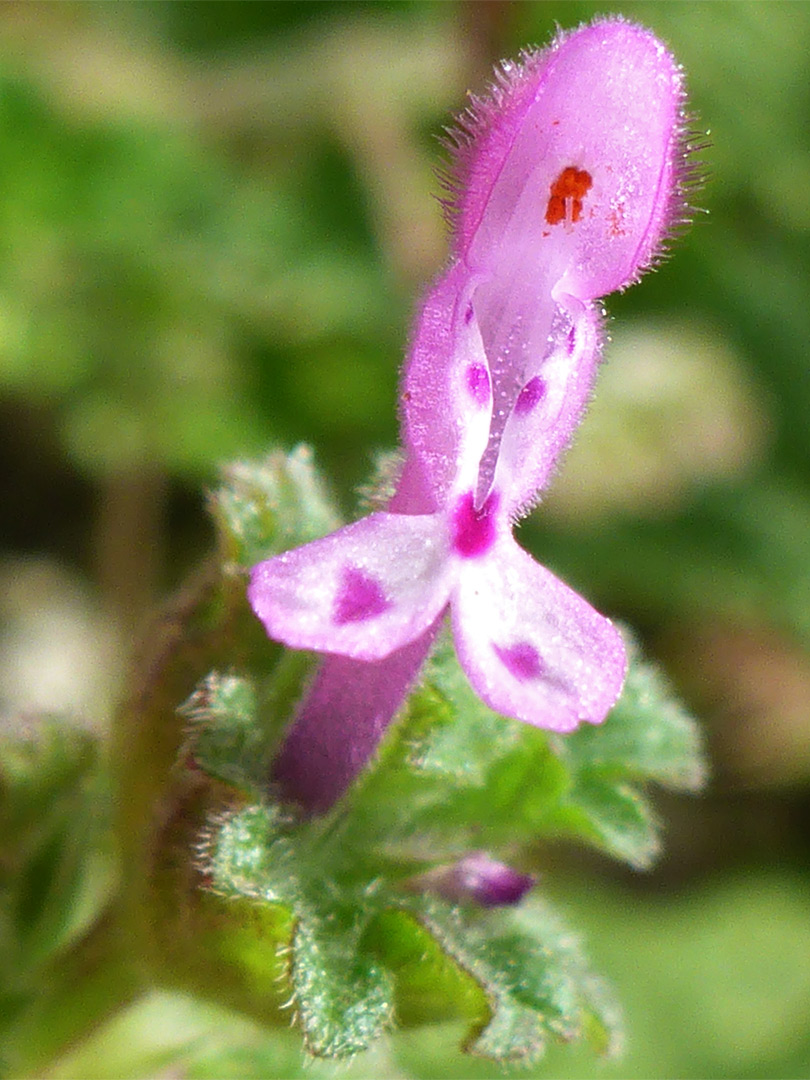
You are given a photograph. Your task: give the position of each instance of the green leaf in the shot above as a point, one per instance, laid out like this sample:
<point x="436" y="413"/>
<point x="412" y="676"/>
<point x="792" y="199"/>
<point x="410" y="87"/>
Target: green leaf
<point x="613" y="816"/>
<point x="648" y="735"/>
<point x="451" y="777"/>
<point x="360" y="949"/>
<point x="252" y="855"/>
<point x="233" y="731"/>
<point x="236" y="721"/>
<point x="56" y="853"/>
<point x="225" y="738"/>
<point x="270" y="505"/>
<point x="58" y="872"/>
<point x="533" y="974"/>
<point x="429" y="984"/>
<point x="344" y="995"/>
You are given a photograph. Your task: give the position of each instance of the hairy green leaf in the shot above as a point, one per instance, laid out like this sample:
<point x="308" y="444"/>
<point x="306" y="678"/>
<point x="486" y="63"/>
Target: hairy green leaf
<point x="267" y="506"/>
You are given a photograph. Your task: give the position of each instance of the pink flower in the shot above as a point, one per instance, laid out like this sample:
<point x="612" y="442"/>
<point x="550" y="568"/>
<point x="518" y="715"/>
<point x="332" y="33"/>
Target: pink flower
<point x="566" y="181"/>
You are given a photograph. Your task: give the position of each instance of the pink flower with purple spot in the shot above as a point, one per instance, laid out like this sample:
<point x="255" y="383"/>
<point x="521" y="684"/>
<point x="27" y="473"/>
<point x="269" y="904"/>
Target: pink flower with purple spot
<point x="566" y="181"/>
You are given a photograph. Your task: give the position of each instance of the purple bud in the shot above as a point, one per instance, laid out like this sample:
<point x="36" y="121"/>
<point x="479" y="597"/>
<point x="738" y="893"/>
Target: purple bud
<point x="491" y="883"/>
<point x="479" y="879"/>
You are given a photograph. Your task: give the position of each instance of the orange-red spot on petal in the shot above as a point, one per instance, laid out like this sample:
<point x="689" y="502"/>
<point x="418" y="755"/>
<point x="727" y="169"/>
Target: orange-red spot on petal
<point x="616" y="222"/>
<point x="567" y="193"/>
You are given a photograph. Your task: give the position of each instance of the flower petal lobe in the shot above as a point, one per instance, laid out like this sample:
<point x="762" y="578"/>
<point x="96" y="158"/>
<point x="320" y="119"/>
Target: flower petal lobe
<point x="532" y="648"/>
<point x="362" y="592"/>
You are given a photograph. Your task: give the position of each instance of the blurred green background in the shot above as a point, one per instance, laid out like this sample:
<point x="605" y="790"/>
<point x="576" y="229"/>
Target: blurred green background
<point x="214" y="221"/>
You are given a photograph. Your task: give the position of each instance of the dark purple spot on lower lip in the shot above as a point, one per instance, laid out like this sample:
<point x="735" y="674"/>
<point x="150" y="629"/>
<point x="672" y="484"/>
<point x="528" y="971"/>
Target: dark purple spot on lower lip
<point x="361" y="597"/>
<point x="521" y="660"/>
<point x="478" y="383"/>
<point x="468" y="314"/>
<point x="532" y="393"/>
<point x="474" y="530"/>
<point x="572" y="340"/>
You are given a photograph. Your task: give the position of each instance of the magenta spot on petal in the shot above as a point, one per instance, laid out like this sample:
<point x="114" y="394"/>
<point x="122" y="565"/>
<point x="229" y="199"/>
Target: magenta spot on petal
<point x="533" y="392"/>
<point x="521" y="660"/>
<point x="360" y="597"/>
<point x="474" y="530"/>
<point x="478" y="383"/>
<point x="571" y="340"/>
<point x="468" y="314"/>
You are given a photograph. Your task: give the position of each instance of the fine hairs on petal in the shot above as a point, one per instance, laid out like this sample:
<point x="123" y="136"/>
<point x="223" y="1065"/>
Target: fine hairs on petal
<point x="481" y="121"/>
<point x="690" y="178"/>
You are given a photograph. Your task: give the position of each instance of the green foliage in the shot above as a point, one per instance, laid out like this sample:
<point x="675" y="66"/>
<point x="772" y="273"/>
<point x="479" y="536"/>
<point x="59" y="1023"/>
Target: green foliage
<point x="342" y="994"/>
<point x="358" y="948"/>
<point x="535" y="979"/>
<point x="734" y="949"/>
<point x="647" y="736"/>
<point x="736" y="552"/>
<point x="268" y="506"/>
<point x="57" y="864"/>
<point x="363" y="935"/>
<point x="141" y="267"/>
<point x="235" y="721"/>
<point x="225" y="737"/>
<point x="454" y="776"/>
<point x="54" y="808"/>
